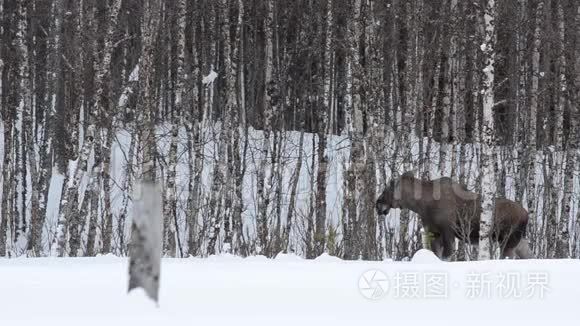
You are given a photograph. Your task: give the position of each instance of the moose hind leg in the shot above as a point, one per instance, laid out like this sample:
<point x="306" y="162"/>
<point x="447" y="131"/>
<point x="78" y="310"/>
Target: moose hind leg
<point x="508" y="253"/>
<point x="523" y="250"/>
<point x="510" y="243"/>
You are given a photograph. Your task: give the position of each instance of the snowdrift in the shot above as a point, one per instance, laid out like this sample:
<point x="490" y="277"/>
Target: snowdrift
<point x="228" y="290"/>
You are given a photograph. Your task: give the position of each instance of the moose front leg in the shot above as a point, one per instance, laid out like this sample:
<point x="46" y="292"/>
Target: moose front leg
<point x="432" y="241"/>
<point x="447" y="240"/>
<point x="436" y="245"/>
<point x="427" y="238"/>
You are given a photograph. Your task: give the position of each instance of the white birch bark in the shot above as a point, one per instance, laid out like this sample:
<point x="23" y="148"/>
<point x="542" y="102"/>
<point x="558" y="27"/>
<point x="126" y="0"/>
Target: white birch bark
<point x="561" y="74"/>
<point x="69" y="199"/>
<point x="576" y="100"/>
<point x="170" y="200"/>
<point x="121" y="222"/>
<point x="431" y="119"/>
<point x="354" y="126"/>
<point x="147" y="223"/>
<point x="68" y="215"/>
<point x="563" y="245"/>
<point x="232" y="216"/>
<point x="26" y="111"/>
<point x="171" y="238"/>
<point x="293" y="190"/>
<point x="531" y="128"/>
<point x="448" y="105"/>
<point x="488" y="139"/>
<point x="196" y="126"/>
<point x="238" y="120"/>
<point x="521" y="104"/>
<point x="106" y="211"/>
<point x="92" y="197"/>
<point x="7" y="188"/>
<point x="220" y="213"/>
<point x="320" y="231"/>
<point x="146" y="240"/>
<point x="262" y="193"/>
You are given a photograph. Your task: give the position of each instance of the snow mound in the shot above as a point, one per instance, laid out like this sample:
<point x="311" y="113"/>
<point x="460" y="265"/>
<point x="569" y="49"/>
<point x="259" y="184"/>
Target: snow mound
<point x="424" y="256"/>
<point x="288" y="257"/>
<point x="327" y="258"/>
<point x="108" y="256"/>
<point x="257" y="258"/>
<point x="223" y="257"/>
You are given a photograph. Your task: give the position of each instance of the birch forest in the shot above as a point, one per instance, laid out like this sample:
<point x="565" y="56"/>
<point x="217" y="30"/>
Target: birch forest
<point x="272" y="126"/>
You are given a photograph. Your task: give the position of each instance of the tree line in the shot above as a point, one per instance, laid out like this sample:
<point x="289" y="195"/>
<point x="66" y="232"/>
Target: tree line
<point x="273" y="125"/>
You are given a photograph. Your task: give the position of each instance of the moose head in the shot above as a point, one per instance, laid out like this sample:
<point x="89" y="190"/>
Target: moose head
<point x="388" y="199"/>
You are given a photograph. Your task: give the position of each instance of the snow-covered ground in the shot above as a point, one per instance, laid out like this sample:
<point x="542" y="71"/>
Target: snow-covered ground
<point x="288" y="290"/>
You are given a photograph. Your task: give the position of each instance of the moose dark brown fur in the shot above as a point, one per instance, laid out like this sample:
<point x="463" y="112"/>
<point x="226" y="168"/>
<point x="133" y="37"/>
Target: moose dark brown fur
<point x="448" y="210"/>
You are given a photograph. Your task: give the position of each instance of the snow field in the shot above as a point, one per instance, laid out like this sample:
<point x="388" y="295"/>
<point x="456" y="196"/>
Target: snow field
<point x="288" y="290"/>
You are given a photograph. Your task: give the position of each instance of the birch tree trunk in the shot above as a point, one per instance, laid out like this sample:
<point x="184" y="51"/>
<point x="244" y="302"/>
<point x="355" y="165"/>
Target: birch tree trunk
<point x="44" y="118"/>
<point x="531" y="128"/>
<point x="69" y="218"/>
<point x="320" y="230"/>
<point x="147" y="224"/>
<point x="558" y="122"/>
<point x="487" y="142"/>
<point x="293" y="190"/>
<point x="220" y="213"/>
<point x="7" y="186"/>
<point x="354" y="123"/>
<point x="563" y="245"/>
<point x="231" y="109"/>
<point x="170" y="200"/>
<point x="576" y="103"/>
<point x="195" y="123"/>
<point x="239" y="122"/>
<point x="92" y="197"/>
<point x="26" y="109"/>
<point x="106" y="211"/>
<point x="521" y="103"/>
<point x="121" y="222"/>
<point x="448" y="118"/>
<point x="262" y="194"/>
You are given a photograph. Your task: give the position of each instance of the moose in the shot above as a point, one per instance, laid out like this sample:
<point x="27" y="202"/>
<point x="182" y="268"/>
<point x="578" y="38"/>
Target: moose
<point x="448" y="210"/>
